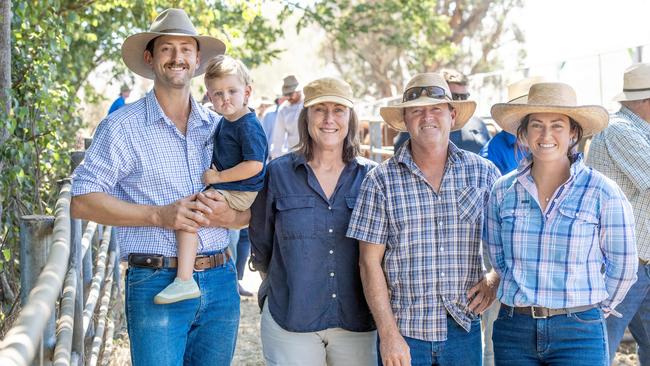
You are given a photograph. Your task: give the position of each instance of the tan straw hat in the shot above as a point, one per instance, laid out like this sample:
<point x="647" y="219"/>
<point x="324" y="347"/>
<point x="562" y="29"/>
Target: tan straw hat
<point x="394" y="114"/>
<point x="636" y="83"/>
<point x="551" y="98"/>
<point x="328" y="90"/>
<point x="171" y="22"/>
<point x="518" y="91"/>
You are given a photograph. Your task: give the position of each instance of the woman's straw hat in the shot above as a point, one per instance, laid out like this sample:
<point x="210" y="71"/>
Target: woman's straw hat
<point x="551" y="98"/>
<point x="171" y="22"/>
<point x="394" y="114"/>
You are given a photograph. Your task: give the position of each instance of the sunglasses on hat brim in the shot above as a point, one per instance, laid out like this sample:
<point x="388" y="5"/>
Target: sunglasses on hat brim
<point x="416" y="92"/>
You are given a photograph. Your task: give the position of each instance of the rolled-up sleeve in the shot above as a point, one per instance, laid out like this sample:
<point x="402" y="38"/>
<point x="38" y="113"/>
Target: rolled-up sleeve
<point x="618" y="244"/>
<point x="369" y="221"/>
<point x="108" y="160"/>
<point x="261" y="229"/>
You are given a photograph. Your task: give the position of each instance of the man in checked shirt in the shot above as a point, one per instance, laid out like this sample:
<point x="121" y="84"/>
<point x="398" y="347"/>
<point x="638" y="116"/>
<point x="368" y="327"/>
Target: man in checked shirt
<point x="622" y="153"/>
<point x="419" y="218"/>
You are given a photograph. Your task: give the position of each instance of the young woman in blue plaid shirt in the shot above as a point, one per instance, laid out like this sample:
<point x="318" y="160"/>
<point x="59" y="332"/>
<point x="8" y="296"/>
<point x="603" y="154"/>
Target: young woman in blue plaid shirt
<point x="553" y="224"/>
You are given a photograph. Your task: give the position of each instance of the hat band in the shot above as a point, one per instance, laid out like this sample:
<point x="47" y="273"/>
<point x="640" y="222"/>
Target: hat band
<point x="182" y="31"/>
<point x="636" y="90"/>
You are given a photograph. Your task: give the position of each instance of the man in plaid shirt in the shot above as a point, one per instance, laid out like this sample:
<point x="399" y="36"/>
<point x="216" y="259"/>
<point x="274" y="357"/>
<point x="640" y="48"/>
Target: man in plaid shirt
<point x="622" y="153"/>
<point x="419" y="218"/>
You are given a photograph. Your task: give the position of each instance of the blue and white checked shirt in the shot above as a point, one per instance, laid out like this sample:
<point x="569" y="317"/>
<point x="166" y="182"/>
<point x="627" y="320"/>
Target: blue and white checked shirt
<point x="432" y="239"/>
<point x="554" y="258"/>
<point x="622" y="153"/>
<point x="139" y="156"/>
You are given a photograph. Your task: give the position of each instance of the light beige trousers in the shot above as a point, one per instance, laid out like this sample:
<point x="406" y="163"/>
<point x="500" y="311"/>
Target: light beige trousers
<point x="329" y="347"/>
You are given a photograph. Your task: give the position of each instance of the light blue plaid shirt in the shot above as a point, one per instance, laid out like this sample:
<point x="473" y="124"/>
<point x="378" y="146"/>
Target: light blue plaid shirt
<point x="432" y="239"/>
<point x="554" y="258"/>
<point x="139" y="156"/>
<point x="622" y="153"/>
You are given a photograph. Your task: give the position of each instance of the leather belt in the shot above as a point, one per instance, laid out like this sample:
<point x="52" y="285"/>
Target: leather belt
<point x="157" y="261"/>
<point x="644" y="262"/>
<point x="538" y="312"/>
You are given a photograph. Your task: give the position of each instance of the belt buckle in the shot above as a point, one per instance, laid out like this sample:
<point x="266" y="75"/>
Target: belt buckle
<point x="200" y="257"/>
<point x="534" y="314"/>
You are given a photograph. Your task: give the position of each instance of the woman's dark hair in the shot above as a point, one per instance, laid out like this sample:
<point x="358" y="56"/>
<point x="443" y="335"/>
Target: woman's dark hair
<point x="351" y="147"/>
<point x="573" y="126"/>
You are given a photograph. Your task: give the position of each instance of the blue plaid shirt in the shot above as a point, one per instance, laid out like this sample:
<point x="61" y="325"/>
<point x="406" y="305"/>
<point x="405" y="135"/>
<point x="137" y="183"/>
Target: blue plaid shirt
<point x="432" y="239"/>
<point x="554" y="258"/>
<point x="622" y="153"/>
<point x="139" y="156"/>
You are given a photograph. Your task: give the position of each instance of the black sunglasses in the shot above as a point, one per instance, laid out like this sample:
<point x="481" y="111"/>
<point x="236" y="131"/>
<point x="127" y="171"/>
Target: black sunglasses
<point x="430" y="91"/>
<point x="459" y="96"/>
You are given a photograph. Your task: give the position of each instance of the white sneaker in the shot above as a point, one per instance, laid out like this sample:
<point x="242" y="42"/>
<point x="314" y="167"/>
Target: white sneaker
<point x="178" y="290"/>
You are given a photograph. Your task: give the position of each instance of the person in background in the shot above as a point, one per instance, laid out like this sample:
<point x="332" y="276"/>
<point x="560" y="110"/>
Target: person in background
<point x="285" y="130"/>
<point x="560" y="235"/>
<point x="622" y="153"/>
<point x="502" y="148"/>
<point x="125" y="91"/>
<point x="474" y="133"/>
<point x="419" y="219"/>
<point x="268" y="120"/>
<point x="313" y="308"/>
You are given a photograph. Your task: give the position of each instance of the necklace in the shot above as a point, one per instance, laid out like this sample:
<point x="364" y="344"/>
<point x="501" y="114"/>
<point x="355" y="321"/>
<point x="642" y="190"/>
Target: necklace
<point x="547" y="199"/>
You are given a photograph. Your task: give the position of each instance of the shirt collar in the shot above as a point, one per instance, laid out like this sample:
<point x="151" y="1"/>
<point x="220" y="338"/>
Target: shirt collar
<point x="156" y="114"/>
<point x="510" y="138"/>
<point x="299" y="159"/>
<point x="638" y="122"/>
<point x="525" y="165"/>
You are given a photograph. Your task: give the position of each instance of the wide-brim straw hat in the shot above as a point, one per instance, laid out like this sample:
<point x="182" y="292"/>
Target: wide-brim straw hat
<point x="394" y="115"/>
<point x="636" y="83"/>
<point x="171" y="22"/>
<point x="551" y="98"/>
<point x="518" y="91"/>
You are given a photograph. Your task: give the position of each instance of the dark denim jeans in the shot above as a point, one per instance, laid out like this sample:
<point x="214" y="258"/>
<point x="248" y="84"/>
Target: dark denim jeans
<point x="460" y="349"/>
<point x="243" y="251"/>
<point x="200" y="331"/>
<point x="573" y="339"/>
<point x="636" y="315"/>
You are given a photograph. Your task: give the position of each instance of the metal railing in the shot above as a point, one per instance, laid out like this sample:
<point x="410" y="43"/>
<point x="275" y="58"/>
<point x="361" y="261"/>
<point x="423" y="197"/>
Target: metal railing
<point x="61" y="290"/>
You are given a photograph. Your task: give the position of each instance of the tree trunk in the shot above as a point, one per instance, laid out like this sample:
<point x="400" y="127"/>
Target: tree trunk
<point x="5" y="74"/>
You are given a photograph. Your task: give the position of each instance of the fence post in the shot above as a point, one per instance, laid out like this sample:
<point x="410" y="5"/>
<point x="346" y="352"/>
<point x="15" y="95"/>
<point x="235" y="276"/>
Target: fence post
<point x="375" y="140"/>
<point x="35" y="242"/>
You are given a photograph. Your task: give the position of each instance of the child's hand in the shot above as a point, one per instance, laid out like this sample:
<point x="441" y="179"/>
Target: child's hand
<point x="211" y="176"/>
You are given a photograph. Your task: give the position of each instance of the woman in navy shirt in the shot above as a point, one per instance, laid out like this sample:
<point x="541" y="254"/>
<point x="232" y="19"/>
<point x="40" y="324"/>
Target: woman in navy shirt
<point x="313" y="308"/>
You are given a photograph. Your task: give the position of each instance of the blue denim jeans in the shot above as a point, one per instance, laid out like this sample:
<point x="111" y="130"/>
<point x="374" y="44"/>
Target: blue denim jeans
<point x="243" y="251"/>
<point x="200" y="331"/>
<point x="460" y="349"/>
<point x="635" y="309"/>
<point x="573" y="339"/>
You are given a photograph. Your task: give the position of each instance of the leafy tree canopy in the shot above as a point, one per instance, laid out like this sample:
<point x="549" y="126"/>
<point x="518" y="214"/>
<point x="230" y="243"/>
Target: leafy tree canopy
<point x="377" y="44"/>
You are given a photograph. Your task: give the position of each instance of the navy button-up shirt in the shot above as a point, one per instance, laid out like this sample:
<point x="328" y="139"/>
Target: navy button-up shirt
<point x="298" y="238"/>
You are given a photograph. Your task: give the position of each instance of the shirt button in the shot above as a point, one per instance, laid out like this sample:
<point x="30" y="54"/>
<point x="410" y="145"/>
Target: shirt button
<point x="442" y="249"/>
<point x="439" y="198"/>
<point x="442" y="274"/>
<point x="333" y="296"/>
<point x="439" y="223"/>
<point x="329" y="208"/>
<point x="330" y="230"/>
<point x="331" y="251"/>
<point x="331" y="274"/>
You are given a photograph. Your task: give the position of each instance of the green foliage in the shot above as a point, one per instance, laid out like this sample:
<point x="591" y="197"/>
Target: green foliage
<point x="376" y="44"/>
<point x="56" y="44"/>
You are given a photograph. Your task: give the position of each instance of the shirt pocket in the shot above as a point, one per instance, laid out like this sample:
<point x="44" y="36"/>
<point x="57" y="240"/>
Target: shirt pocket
<point x="295" y="217"/>
<point x="470" y="204"/>
<point x="582" y="229"/>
